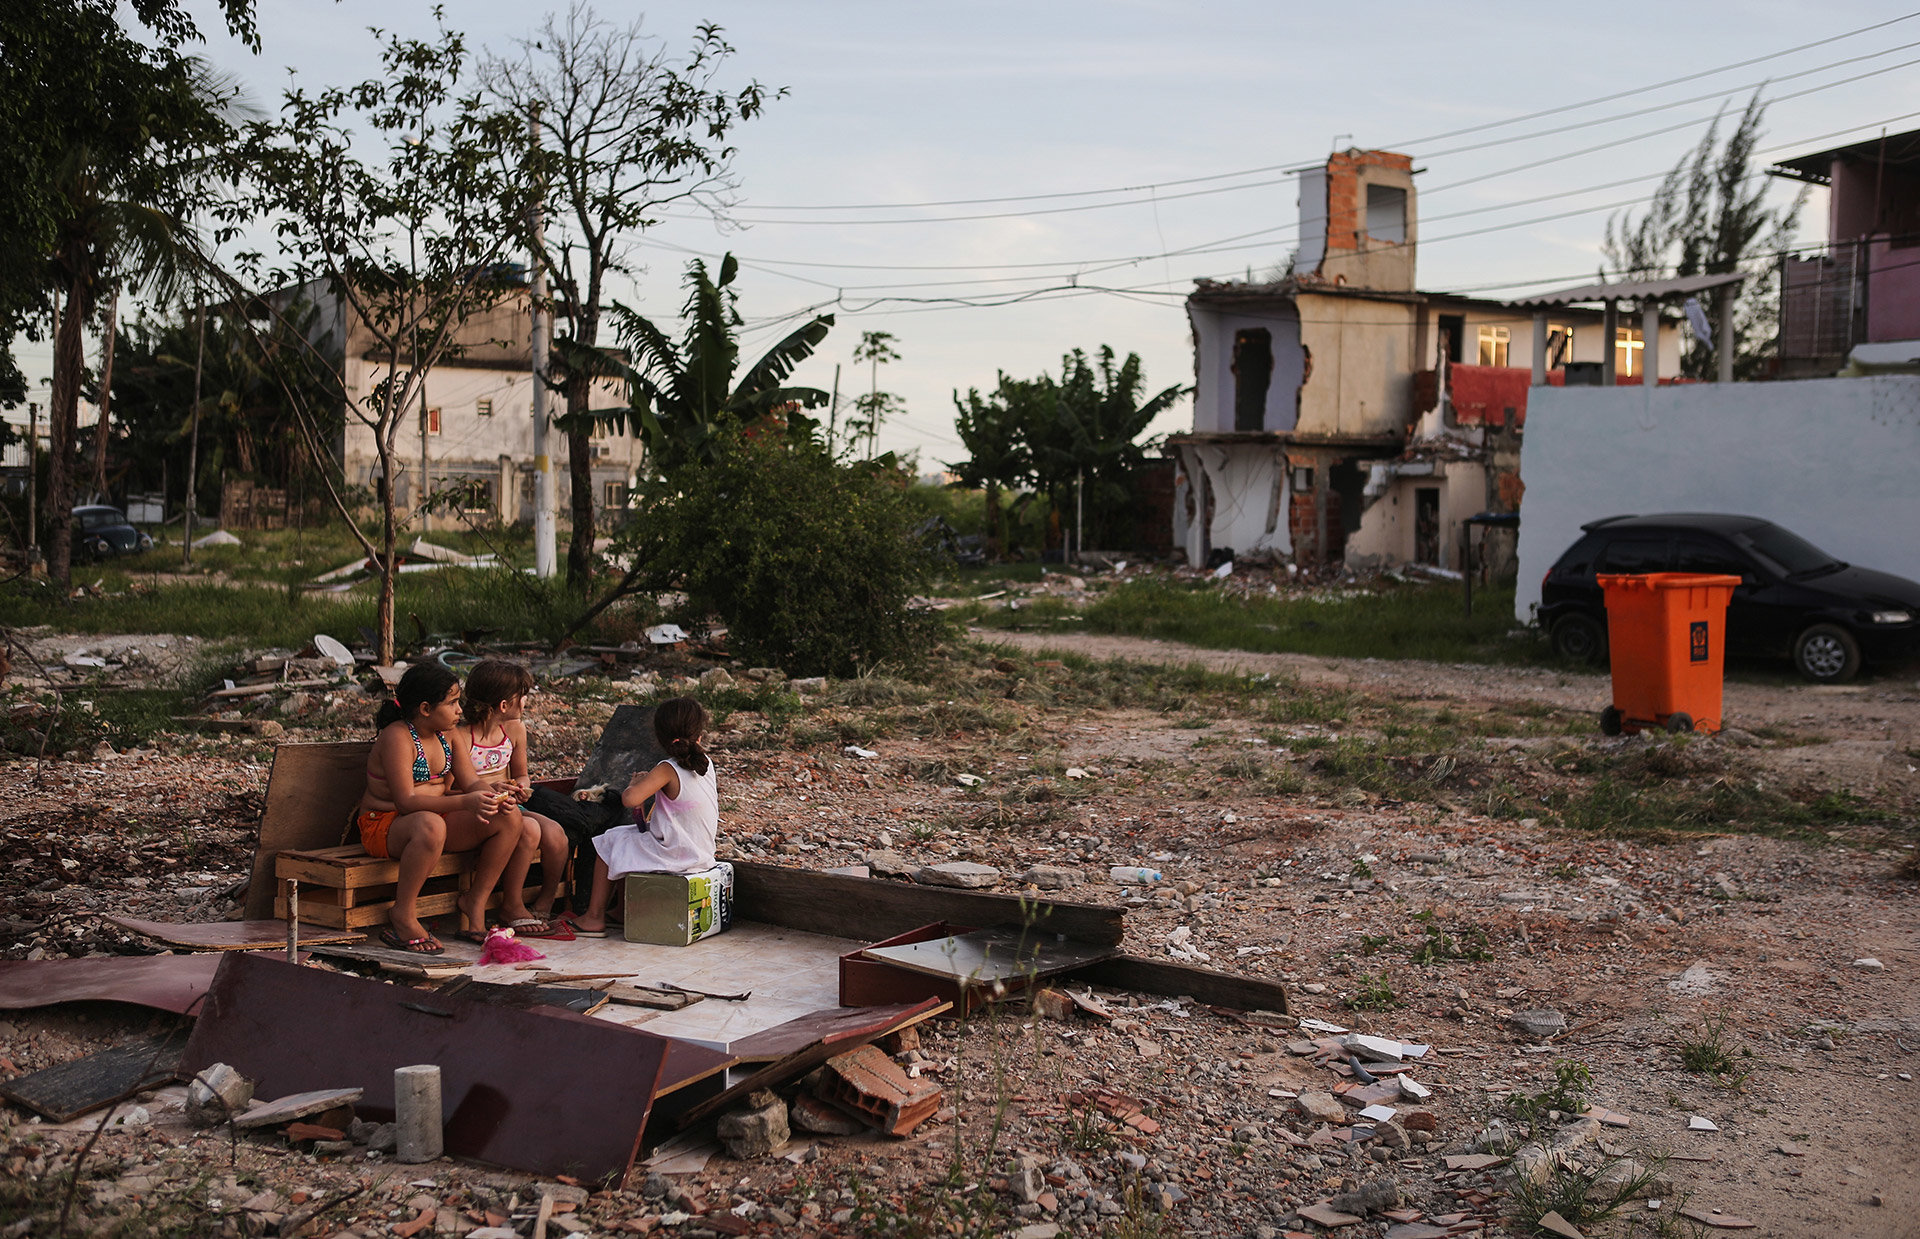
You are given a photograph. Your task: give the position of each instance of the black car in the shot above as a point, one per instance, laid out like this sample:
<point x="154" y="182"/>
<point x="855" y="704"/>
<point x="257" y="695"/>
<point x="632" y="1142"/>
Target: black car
<point x="1793" y="600"/>
<point x="101" y="532"/>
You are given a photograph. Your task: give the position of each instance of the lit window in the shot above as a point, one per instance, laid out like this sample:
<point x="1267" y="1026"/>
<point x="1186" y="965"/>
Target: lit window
<point x="1493" y="345"/>
<point x="1628" y="348"/>
<point x="484" y="406"/>
<point x="433" y="421"/>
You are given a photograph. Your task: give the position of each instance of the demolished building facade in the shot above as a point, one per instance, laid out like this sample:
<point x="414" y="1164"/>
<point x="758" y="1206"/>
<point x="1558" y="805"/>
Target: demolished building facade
<point x="1341" y="415"/>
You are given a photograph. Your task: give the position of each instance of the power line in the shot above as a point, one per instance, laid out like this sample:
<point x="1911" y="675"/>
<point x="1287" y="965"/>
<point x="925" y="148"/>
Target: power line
<point x="1154" y="186"/>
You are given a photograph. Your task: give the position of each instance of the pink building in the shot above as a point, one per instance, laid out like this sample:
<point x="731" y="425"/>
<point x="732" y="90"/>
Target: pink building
<point x="1856" y="306"/>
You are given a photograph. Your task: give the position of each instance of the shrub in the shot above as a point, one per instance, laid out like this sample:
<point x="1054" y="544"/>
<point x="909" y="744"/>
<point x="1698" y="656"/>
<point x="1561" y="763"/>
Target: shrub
<point x="809" y="563"/>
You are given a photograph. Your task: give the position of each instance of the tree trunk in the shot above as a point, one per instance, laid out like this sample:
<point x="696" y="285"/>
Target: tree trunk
<point x="63" y="415"/>
<point x="106" y="395"/>
<point x="580" y="471"/>
<point x="389" y="537"/>
<point x="995" y="544"/>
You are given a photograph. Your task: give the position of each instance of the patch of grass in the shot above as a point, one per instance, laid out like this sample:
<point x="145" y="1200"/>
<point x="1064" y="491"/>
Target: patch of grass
<point x="945" y="1208"/>
<point x="1372" y="994"/>
<point x="1437" y="946"/>
<point x="1584" y="1195"/>
<point x="1567" y="1094"/>
<point x="1709" y="1054"/>
<point x="1384" y="621"/>
<point x="1138" y="1218"/>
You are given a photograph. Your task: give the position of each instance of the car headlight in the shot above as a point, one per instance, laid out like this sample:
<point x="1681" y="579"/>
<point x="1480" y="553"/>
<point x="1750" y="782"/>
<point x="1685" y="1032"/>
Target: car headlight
<point x="1891" y="617"/>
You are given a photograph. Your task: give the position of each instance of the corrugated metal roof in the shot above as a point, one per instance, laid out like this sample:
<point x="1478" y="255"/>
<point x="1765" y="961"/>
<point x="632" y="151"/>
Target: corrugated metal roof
<point x="1631" y="290"/>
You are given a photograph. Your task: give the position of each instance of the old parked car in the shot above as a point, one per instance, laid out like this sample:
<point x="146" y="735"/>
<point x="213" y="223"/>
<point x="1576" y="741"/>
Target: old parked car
<point x="1794" y="600"/>
<point x="101" y="532"/>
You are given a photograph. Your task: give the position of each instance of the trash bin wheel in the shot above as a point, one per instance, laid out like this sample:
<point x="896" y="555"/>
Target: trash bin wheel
<point x="1679" y="721"/>
<point x="1610" y="721"/>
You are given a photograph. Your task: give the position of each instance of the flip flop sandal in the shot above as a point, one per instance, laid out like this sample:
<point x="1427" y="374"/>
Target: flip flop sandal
<point x="476" y="936"/>
<point x="534" y="927"/>
<point x="578" y="930"/>
<point x="390" y="937"/>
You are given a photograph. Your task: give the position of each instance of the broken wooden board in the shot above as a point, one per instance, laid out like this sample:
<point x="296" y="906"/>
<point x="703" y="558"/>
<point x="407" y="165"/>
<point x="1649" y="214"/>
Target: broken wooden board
<point x="828" y="1035"/>
<point x="311" y="789"/>
<point x="546" y="1092"/>
<point x="851" y="1025"/>
<point x="400" y="963"/>
<point x="233" y="935"/>
<point x="984" y="956"/>
<point x="66" y="1092"/>
<point x="872" y="909"/>
<point x="526" y="997"/>
<point x="1156" y="976"/>
<point x="655" y="999"/>
<point x="173" y="983"/>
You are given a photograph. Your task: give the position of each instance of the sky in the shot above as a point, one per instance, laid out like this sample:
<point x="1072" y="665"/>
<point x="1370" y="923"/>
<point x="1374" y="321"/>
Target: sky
<point x="1127" y="147"/>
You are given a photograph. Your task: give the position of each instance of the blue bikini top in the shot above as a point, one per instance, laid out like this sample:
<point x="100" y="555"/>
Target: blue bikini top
<point x="421" y="772"/>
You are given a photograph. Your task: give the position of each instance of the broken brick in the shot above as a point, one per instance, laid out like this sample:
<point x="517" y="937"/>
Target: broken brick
<point x="868" y="1083"/>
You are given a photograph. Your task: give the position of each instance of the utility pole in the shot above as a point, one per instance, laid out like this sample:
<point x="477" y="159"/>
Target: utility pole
<point x="33" y="485"/>
<point x="193" y="440"/>
<point x="545" y="549"/>
<point x="833" y="408"/>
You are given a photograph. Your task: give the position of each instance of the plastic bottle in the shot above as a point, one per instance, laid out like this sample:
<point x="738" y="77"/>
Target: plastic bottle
<point x="1133" y="875"/>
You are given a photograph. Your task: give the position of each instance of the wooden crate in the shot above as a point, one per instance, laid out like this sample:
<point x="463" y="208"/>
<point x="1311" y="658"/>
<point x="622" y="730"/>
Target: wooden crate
<point x="344" y="888"/>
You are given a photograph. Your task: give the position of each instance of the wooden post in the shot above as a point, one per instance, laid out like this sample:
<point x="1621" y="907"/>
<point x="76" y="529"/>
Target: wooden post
<point x="1610" y="344"/>
<point x="1650" y="343"/>
<point x="1539" y="352"/>
<point x="293" y="920"/>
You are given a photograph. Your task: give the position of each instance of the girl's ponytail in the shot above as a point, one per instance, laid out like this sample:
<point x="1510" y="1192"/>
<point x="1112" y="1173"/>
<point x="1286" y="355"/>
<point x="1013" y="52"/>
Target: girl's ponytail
<point x="678" y="725"/>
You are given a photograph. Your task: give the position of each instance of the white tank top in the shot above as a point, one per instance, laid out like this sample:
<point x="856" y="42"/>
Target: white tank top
<point x="683" y="829"/>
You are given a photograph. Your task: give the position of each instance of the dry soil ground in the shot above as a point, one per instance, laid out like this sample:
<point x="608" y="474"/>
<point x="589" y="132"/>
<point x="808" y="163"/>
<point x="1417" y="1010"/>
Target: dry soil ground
<point x="1289" y="854"/>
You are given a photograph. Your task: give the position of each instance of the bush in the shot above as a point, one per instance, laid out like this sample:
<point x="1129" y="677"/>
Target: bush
<point x="810" y="564"/>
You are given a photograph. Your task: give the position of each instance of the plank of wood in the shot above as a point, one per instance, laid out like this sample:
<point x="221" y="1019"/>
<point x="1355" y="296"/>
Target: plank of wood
<point x="173" y="983"/>
<point x="310" y="791"/>
<point x="295" y="1106"/>
<point x="366" y="915"/>
<point x="1155" y="976"/>
<point x="657" y="1000"/>
<point x="404" y="963"/>
<point x="65" y="1092"/>
<point x="871" y="909"/>
<point x="233" y="935"/>
<point x="361" y="871"/>
<point x="814" y="1053"/>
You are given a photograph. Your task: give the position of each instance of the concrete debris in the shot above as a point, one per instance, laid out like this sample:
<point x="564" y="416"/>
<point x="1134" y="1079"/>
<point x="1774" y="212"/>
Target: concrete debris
<point x="966" y="874"/>
<point x="1697" y="1123"/>
<point x="1375" y="1197"/>
<point x="1327" y="1215"/>
<point x="1052" y="877"/>
<point x="811" y="1114"/>
<point x="216" y="1095"/>
<point x="756" y="1129"/>
<point x="1539" y="1023"/>
<point x="1869" y="964"/>
<point x="1320" y="1105"/>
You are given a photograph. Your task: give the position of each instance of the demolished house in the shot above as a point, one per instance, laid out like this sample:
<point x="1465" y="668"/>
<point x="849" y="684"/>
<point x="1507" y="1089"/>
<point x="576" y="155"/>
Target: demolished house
<point x="1342" y="416"/>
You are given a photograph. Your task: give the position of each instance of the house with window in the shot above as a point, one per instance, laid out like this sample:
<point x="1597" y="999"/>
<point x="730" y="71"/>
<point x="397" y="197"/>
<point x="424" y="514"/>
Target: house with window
<point x="474" y="427"/>
<point x="1341" y="415"/>
<point x="1854" y="306"/>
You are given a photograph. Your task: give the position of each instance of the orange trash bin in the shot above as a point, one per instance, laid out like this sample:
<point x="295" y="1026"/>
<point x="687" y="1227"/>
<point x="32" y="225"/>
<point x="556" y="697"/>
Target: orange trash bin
<point x="1666" y="635"/>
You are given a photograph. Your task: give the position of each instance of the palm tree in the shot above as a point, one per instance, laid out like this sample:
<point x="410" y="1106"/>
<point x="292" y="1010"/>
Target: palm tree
<point x="683" y="397"/>
<point x="106" y="235"/>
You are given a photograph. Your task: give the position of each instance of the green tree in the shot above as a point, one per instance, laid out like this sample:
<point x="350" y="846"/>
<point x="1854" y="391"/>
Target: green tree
<point x="999" y="458"/>
<point x="869" y="411"/>
<point x="684" y="398"/>
<point x="808" y="561"/>
<point x="624" y="131"/>
<point x="96" y="131"/>
<point x="1710" y="216"/>
<point x="1078" y="432"/>
<point x="389" y="196"/>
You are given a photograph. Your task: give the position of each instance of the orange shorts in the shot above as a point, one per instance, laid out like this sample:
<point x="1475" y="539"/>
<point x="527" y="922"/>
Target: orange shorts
<point x="373" y="826"/>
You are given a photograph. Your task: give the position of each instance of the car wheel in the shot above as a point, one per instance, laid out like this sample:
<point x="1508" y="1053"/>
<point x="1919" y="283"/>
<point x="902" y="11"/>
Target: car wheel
<point x="1827" y="654"/>
<point x="1580" y="639"/>
<point x="1611" y="721"/>
<point x="1679" y="722"/>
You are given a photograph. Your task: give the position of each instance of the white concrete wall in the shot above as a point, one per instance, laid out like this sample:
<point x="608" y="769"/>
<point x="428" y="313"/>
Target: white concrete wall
<point x="1214" y="384"/>
<point x="1830" y="459"/>
<point x="1249" y="492"/>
